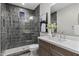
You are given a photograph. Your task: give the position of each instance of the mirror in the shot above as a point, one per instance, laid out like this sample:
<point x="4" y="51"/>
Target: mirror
<point x="66" y="16"/>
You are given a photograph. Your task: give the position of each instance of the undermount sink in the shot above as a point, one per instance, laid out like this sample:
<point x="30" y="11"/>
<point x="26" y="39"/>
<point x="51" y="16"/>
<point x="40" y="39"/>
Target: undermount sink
<point x="59" y="39"/>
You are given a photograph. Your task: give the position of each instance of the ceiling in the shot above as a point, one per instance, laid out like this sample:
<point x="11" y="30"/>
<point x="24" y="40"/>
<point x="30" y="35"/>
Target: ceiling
<point x="31" y="6"/>
<point x="59" y="6"/>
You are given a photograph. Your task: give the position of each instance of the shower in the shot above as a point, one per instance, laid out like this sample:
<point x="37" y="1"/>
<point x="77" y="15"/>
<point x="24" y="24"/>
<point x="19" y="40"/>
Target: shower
<point x="19" y="26"/>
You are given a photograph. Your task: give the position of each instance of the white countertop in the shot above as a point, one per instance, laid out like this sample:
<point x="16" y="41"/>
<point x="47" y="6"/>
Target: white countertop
<point x="71" y="45"/>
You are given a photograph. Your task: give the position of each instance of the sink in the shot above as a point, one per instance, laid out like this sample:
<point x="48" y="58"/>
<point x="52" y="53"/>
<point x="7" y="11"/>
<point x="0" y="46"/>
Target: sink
<point x="59" y="39"/>
<point x="56" y="39"/>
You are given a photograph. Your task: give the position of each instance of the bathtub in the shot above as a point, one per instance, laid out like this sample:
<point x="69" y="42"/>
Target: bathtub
<point x="17" y="49"/>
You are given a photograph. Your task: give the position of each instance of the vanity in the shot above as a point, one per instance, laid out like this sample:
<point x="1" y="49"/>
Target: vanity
<point x="64" y="18"/>
<point x="53" y="47"/>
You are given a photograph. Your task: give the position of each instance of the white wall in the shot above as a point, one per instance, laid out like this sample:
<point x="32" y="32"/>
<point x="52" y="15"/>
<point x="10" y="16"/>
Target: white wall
<point x="67" y="17"/>
<point x="45" y="7"/>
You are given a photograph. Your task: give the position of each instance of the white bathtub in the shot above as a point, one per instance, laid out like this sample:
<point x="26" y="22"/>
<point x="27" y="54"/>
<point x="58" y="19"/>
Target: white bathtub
<point x="17" y="49"/>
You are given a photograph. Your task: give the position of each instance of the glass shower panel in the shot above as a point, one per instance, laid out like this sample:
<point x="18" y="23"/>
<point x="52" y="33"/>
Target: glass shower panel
<point x="16" y="27"/>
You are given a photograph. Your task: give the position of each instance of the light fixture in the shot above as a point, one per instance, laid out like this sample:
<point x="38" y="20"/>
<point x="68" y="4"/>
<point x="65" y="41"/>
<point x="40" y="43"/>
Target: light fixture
<point x="23" y="3"/>
<point x="31" y="17"/>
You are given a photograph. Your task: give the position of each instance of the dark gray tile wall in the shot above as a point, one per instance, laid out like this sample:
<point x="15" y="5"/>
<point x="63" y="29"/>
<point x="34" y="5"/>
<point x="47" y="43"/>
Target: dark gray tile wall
<point x="12" y="34"/>
<point x="0" y="29"/>
<point x="4" y="23"/>
<point x="35" y="25"/>
<point x="54" y="19"/>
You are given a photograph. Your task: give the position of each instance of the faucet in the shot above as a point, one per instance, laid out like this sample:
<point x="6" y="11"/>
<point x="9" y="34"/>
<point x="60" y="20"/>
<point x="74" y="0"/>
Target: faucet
<point x="62" y="36"/>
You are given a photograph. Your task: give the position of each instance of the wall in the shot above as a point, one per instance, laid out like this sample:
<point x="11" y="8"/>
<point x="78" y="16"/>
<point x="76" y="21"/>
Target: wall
<point x="0" y="29"/>
<point x="35" y="25"/>
<point x="67" y="17"/>
<point x="12" y="27"/>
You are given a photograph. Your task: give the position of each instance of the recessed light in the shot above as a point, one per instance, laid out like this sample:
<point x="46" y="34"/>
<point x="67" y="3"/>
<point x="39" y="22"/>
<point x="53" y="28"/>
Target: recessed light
<point x="31" y="17"/>
<point x="23" y="3"/>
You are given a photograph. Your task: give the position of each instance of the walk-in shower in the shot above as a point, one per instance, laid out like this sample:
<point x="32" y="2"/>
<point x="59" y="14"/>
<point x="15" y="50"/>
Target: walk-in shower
<point x="18" y="26"/>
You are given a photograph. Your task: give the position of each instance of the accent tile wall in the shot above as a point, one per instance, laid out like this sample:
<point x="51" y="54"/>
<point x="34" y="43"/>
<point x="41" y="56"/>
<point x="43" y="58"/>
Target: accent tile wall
<point x="0" y="29"/>
<point x="12" y="34"/>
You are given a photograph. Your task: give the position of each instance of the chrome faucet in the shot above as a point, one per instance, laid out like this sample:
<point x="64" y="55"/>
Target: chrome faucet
<point x="62" y="35"/>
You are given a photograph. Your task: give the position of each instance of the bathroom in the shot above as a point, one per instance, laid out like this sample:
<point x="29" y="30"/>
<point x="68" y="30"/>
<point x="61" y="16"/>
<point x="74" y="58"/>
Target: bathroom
<point x="39" y="29"/>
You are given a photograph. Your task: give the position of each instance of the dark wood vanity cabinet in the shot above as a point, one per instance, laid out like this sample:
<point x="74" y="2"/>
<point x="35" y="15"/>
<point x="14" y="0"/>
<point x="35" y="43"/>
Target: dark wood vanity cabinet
<point x="44" y="48"/>
<point x="60" y="51"/>
<point x="47" y="49"/>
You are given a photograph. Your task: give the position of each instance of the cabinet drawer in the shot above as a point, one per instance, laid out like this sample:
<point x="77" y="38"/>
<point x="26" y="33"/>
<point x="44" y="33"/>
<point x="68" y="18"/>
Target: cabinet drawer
<point x="63" y="51"/>
<point x="43" y="52"/>
<point x="55" y="53"/>
<point x="44" y="45"/>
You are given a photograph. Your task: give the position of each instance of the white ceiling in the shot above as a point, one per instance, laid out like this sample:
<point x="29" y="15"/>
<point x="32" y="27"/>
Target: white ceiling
<point x="31" y="6"/>
<point x="59" y="6"/>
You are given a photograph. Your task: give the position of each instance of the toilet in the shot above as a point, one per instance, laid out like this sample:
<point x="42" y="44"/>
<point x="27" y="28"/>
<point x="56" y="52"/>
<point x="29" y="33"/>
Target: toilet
<point x="33" y="49"/>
